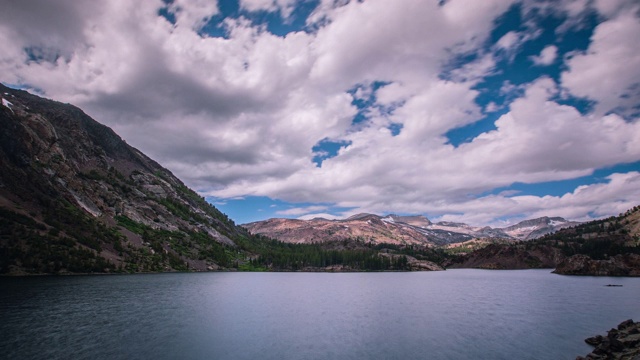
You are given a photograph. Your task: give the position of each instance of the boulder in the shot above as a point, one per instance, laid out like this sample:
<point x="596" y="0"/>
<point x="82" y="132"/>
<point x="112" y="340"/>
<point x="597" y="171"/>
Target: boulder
<point x="620" y="343"/>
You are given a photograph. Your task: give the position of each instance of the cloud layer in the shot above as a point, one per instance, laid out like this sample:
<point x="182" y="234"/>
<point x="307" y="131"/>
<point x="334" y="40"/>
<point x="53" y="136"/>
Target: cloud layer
<point x="240" y="114"/>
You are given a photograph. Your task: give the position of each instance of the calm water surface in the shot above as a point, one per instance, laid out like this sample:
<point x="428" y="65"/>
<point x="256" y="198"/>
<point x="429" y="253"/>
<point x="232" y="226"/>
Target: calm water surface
<point x="455" y="314"/>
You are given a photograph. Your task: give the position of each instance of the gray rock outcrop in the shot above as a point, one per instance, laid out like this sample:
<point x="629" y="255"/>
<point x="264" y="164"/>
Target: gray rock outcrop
<point x="620" y="343"/>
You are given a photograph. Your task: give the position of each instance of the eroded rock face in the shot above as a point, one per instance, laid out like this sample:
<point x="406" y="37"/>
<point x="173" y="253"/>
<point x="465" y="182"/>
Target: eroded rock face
<point x="619" y="265"/>
<point x="620" y="343"/>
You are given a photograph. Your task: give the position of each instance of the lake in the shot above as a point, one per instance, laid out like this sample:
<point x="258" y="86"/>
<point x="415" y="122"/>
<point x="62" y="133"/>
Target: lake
<point x="453" y="314"/>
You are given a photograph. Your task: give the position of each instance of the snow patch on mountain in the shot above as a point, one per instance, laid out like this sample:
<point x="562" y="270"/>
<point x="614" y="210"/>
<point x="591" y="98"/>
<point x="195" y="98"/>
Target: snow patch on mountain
<point x="8" y="104"/>
<point x="388" y="219"/>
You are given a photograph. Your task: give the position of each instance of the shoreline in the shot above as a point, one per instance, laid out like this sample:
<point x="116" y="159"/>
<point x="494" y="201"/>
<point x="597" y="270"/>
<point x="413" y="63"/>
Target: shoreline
<point x="308" y="270"/>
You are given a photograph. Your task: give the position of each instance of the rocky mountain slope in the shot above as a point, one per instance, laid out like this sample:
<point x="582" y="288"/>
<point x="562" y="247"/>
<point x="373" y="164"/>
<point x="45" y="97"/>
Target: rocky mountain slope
<point x="364" y="227"/>
<point x="535" y="228"/>
<point x="512" y="256"/>
<point x="393" y="229"/>
<point x="607" y="247"/>
<point x="74" y="197"/>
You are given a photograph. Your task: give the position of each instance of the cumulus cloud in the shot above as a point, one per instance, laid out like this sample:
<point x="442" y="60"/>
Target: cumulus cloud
<point x="193" y="13"/>
<point x="547" y="56"/>
<point x="607" y="71"/>
<point x="538" y="140"/>
<point x="240" y="115"/>
<point x="612" y="197"/>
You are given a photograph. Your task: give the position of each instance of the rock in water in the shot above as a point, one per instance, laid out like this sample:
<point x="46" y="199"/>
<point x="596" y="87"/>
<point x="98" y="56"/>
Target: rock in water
<point x="620" y="343"/>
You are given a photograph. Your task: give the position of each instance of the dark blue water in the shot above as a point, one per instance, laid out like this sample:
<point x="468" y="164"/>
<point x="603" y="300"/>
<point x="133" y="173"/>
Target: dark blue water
<point x="457" y="314"/>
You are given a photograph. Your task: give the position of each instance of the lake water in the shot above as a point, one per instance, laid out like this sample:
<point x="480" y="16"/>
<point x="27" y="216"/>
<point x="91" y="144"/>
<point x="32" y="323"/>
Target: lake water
<point x="454" y="314"/>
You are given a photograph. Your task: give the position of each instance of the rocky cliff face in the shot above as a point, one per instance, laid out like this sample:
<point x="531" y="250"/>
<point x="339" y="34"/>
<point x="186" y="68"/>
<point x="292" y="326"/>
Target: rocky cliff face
<point x="74" y="197"/>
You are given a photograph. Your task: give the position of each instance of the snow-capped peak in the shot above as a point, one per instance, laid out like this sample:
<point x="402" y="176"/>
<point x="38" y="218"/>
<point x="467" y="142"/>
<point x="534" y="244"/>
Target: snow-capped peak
<point x="389" y="219"/>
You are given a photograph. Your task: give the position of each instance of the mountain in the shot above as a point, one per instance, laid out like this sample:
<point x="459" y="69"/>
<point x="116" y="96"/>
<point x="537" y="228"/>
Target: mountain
<point x="510" y="256"/>
<point x="535" y="228"/>
<point x="74" y="197"/>
<point x="606" y="247"/>
<point x="394" y="229"/>
<point x="365" y="227"/>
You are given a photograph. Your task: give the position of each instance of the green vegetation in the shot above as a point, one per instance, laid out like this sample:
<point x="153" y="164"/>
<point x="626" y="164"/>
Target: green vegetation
<point x="473" y="245"/>
<point x="351" y="254"/>
<point x="26" y="245"/>
<point x="169" y="246"/>
<point x="597" y="239"/>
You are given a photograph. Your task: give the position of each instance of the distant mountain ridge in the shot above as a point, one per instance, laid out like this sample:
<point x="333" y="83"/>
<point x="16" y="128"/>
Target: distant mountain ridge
<point x="605" y="247"/>
<point x="401" y="230"/>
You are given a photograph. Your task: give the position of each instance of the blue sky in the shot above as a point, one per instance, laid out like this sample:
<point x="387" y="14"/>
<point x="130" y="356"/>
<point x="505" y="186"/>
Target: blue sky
<point x="484" y="112"/>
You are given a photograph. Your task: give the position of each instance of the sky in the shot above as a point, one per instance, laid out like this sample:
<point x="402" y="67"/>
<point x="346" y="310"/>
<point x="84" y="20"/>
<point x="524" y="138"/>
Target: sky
<point x="484" y="112"/>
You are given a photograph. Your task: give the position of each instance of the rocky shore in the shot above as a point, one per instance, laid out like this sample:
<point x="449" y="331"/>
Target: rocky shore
<point x="621" y="343"/>
<point x="509" y="257"/>
<point x="619" y="265"/>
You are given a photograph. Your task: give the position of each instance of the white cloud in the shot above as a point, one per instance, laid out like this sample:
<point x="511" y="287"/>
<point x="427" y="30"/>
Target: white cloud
<point x="509" y="40"/>
<point x="610" y="8"/>
<point x="491" y="107"/>
<point x="320" y="215"/>
<point x="193" y="13"/>
<point x="239" y="116"/>
<point x="608" y="71"/>
<point x="474" y="71"/>
<point x="547" y="56"/>
<point x="302" y="210"/>
<point x="615" y="196"/>
<point x="538" y="140"/>
<point x="285" y="7"/>
<point x="510" y="43"/>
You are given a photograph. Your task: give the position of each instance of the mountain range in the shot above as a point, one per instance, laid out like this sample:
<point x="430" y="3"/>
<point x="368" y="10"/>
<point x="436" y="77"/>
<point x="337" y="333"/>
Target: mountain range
<point x="605" y="247"/>
<point x="400" y="230"/>
<point x="76" y="198"/>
